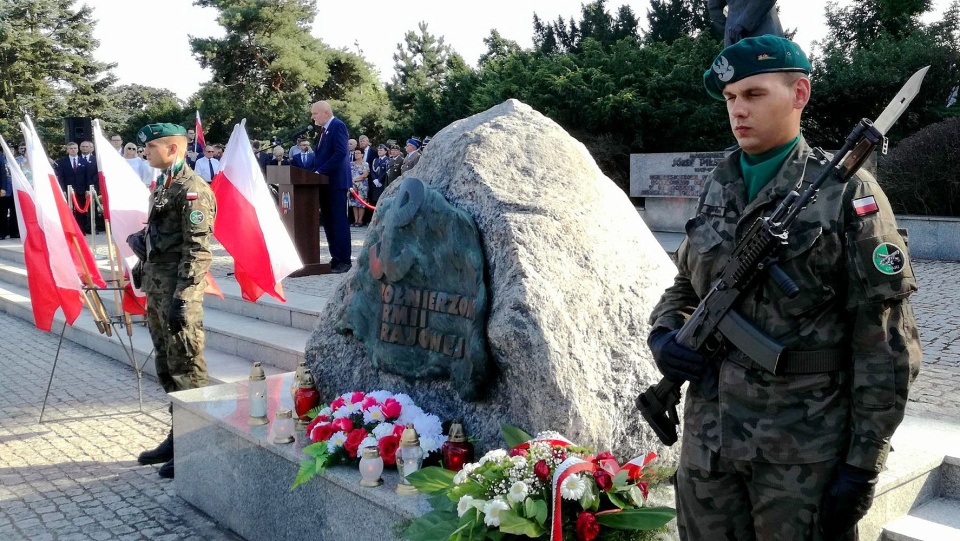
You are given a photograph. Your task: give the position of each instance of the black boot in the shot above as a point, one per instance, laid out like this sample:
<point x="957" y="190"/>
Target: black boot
<point x="166" y="471"/>
<point x="163" y="453"/>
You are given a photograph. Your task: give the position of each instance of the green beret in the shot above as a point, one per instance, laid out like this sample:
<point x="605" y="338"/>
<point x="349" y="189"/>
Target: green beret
<point x="155" y="131"/>
<point x="753" y="56"/>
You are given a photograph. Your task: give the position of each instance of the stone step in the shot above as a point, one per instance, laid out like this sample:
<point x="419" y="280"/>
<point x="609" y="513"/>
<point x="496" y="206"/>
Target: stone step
<point x="276" y="345"/>
<point x="300" y="311"/>
<point x="936" y="520"/>
<point x="223" y="367"/>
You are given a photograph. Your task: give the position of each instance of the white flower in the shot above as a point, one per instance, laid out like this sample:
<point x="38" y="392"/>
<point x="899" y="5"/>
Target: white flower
<point x="368" y="442"/>
<point x="410" y="414"/>
<point x="431" y="443"/>
<point x="573" y="487"/>
<point x="427" y="425"/>
<point x="492" y="509"/>
<point x="493" y="456"/>
<point x="518" y="492"/>
<point x="336" y="441"/>
<point x="342" y="412"/>
<point x="381" y="396"/>
<point x="325" y="411"/>
<point x="465" y="504"/>
<point x="460" y="477"/>
<point x="383" y="429"/>
<point x="373" y="415"/>
<point x="353" y="407"/>
<point x="404" y="399"/>
<point x="518" y="461"/>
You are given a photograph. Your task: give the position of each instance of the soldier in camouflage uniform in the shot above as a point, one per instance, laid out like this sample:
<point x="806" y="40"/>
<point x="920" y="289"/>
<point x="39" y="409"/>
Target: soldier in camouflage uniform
<point x="792" y="455"/>
<point x="176" y="245"/>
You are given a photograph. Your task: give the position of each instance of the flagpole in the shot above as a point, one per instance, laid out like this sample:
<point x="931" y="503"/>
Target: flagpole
<point x="99" y="312"/>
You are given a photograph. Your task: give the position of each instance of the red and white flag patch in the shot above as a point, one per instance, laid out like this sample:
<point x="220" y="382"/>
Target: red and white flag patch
<point x="191" y="196"/>
<point x="865" y="205"/>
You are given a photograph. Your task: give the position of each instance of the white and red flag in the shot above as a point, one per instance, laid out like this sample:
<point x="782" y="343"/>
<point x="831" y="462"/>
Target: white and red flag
<point x="125" y="202"/>
<point x="248" y="225"/>
<point x="199" y="130"/>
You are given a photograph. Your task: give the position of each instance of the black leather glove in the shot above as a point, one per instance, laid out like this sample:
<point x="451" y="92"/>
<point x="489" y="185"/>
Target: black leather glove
<point x="677" y="363"/>
<point x="847" y="499"/>
<point x="177" y="315"/>
<point x="137" y="243"/>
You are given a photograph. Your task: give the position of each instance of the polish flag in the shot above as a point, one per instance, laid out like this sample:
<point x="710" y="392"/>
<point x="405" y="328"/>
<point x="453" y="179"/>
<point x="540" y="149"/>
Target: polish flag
<point x="51" y="199"/>
<point x="125" y="201"/>
<point x="248" y="224"/>
<point x="199" y="130"/>
<point x="51" y="279"/>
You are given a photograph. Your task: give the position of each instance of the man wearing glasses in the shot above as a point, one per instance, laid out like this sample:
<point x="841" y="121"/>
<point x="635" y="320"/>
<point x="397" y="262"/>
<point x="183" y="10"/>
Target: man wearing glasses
<point x="207" y="166"/>
<point x="117" y="142"/>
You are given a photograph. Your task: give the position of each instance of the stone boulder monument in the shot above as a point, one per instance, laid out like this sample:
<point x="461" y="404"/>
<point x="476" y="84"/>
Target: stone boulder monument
<point x="504" y="280"/>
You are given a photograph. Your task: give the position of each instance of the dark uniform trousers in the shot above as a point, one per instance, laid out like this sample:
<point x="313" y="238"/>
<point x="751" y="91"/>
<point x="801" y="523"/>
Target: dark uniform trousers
<point x="178" y="356"/>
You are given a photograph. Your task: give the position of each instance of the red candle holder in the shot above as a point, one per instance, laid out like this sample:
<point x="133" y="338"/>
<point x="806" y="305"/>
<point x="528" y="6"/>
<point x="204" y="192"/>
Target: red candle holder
<point x="305" y="399"/>
<point x="456" y="451"/>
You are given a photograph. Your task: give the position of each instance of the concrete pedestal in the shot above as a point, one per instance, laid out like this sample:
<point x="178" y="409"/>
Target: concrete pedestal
<point x="232" y="472"/>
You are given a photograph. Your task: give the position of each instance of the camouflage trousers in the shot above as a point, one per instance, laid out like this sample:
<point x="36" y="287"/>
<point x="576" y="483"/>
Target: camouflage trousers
<point x="739" y="500"/>
<point x="179" y="356"/>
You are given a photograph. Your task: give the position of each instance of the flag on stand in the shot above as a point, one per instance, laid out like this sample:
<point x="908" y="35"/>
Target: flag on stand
<point x="51" y="278"/>
<point x="125" y="202"/>
<point x="199" y="130"/>
<point x="51" y="199"/>
<point x="248" y="225"/>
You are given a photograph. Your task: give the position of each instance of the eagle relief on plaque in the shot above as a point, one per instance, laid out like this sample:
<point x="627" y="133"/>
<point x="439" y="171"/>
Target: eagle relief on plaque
<point x="418" y="301"/>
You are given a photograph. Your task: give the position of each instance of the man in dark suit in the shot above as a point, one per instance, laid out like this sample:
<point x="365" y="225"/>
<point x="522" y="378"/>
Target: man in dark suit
<point x="72" y="171"/>
<point x="744" y="19"/>
<point x="304" y="159"/>
<point x="332" y="161"/>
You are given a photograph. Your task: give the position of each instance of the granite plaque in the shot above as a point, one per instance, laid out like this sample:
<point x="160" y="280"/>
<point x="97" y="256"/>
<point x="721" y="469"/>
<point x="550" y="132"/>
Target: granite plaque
<point x="671" y="174"/>
<point x="419" y="301"/>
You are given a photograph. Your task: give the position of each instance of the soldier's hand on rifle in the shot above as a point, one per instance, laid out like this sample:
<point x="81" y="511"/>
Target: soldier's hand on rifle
<point x="847" y="499"/>
<point x="676" y="362"/>
<point x="177" y="315"/>
<point x="137" y="243"/>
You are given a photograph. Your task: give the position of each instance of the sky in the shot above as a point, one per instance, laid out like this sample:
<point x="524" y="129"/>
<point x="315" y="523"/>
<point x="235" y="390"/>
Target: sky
<point x="376" y="28"/>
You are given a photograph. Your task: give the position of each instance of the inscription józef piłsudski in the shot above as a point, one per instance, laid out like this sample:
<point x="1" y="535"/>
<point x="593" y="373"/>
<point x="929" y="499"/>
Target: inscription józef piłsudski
<point x="418" y="301"/>
<point x="674" y="174"/>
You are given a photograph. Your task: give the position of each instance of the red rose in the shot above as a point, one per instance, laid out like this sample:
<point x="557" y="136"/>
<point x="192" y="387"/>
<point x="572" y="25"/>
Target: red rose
<point x="398" y="430"/>
<point x="343" y="423"/>
<point x="391" y="408"/>
<point x="644" y="489"/>
<point x="542" y="470"/>
<point x="321" y="432"/>
<point x="518" y="451"/>
<point x="323" y="418"/>
<point x="337" y="404"/>
<point x="353" y="441"/>
<point x="388" y="449"/>
<point x="587" y="527"/>
<point x="606" y="455"/>
<point x="357" y="397"/>
<point x="603" y="479"/>
<point x="368" y="403"/>
<point x="313" y="423"/>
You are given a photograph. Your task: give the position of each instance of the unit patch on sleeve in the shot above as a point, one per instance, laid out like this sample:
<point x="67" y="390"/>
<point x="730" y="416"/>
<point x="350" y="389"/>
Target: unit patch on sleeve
<point x="197" y="217"/>
<point x="888" y="258"/>
<point x="865" y="205"/>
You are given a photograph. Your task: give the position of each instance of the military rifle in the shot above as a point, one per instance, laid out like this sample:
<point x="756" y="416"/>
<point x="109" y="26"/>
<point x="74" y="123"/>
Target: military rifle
<point x="715" y="322"/>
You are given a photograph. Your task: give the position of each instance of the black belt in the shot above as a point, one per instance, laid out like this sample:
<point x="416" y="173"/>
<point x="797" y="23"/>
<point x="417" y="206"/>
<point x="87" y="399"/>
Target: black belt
<point x="800" y="362"/>
<point x="165" y="257"/>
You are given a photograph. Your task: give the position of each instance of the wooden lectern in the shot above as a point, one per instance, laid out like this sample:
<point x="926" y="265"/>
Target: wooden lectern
<point x="299" y="205"/>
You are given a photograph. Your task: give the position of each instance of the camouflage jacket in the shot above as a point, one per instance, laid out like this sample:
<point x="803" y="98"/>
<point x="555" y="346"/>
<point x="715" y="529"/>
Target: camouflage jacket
<point x="179" y="228"/>
<point x="855" y="278"/>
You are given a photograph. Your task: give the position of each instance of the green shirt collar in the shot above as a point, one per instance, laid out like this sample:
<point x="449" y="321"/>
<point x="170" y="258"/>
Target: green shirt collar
<point x="759" y="169"/>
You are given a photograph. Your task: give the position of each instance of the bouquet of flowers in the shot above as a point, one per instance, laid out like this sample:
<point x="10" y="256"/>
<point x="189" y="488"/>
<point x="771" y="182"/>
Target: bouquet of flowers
<point x="543" y="487"/>
<point x="340" y="430"/>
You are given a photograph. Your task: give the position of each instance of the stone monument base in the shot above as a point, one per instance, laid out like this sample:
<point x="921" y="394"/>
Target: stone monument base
<point x="231" y="471"/>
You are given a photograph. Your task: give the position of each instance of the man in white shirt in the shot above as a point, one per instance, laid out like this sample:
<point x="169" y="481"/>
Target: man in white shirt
<point x="207" y="166"/>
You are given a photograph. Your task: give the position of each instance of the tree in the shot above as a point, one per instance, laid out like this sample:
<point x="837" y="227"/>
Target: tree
<point x="422" y="63"/>
<point x="595" y="23"/>
<point x="670" y="20"/>
<point x="132" y="106"/>
<point x="268" y="69"/>
<point x="47" y="66"/>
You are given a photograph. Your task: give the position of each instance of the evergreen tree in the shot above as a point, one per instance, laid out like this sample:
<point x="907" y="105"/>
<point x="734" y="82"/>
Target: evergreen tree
<point x="422" y="62"/>
<point x="47" y="68"/>
<point x="268" y="69"/>
<point x="670" y="20"/>
<point x="132" y="106"/>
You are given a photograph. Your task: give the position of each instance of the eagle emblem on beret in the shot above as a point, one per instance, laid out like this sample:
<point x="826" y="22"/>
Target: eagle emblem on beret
<point x="723" y="69"/>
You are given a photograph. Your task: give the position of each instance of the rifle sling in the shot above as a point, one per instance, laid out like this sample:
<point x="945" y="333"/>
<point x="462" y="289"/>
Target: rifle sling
<point x="800" y="362"/>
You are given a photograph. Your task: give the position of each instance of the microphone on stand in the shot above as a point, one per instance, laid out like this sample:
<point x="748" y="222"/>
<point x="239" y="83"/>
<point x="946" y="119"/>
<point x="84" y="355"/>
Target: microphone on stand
<point x="302" y="131"/>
